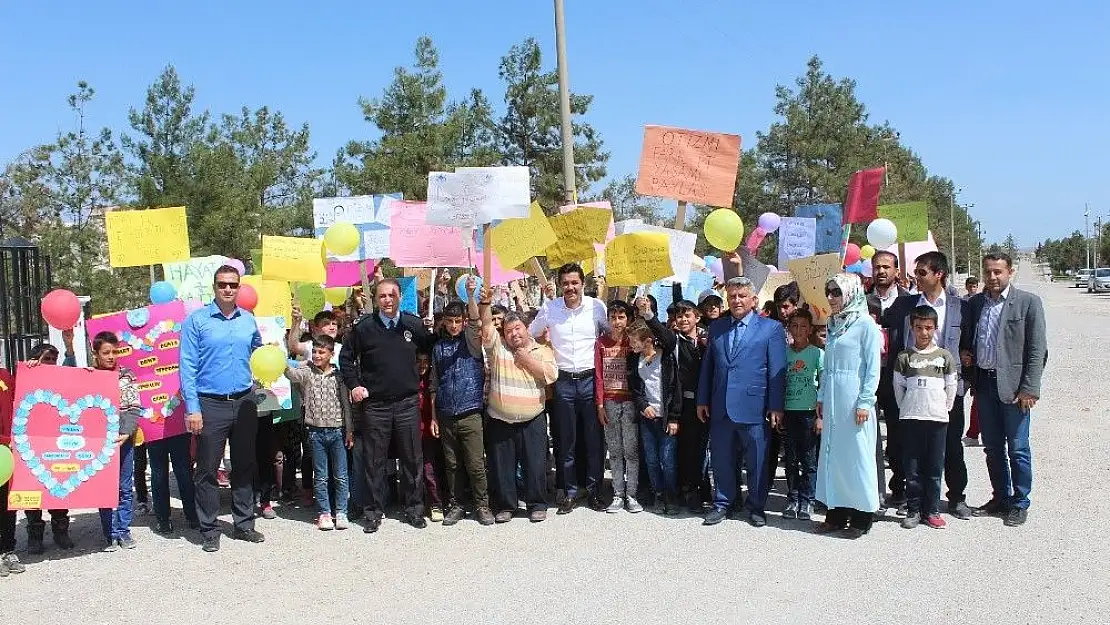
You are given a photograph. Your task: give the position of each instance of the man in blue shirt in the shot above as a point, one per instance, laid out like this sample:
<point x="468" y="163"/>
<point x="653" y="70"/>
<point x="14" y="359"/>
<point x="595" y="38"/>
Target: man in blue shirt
<point x="216" y="382"/>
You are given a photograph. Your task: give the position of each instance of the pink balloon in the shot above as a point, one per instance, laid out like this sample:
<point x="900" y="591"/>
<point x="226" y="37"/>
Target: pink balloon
<point x="61" y="309"/>
<point x="755" y="238"/>
<point x="769" y="222"/>
<point x="247" y="298"/>
<point x="238" y="264"/>
<point x="851" y="254"/>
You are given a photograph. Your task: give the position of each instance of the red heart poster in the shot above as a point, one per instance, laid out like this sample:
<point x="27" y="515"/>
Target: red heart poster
<point x="64" y="430"/>
<point x="150" y="339"/>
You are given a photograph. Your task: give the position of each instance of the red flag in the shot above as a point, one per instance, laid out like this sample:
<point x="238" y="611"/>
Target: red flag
<point x="862" y="203"/>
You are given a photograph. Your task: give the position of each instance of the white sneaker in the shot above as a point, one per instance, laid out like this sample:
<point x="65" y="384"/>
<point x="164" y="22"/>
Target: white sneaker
<point x="632" y="505"/>
<point x="616" y="506"/>
<point x="323" y="522"/>
<point x="341" y="522"/>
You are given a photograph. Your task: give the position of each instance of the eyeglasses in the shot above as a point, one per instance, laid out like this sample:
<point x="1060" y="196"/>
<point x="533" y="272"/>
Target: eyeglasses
<point x="227" y="285"/>
<point x="834" y="293"/>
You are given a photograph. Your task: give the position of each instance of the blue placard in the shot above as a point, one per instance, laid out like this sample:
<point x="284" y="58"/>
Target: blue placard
<point x="829" y="217"/>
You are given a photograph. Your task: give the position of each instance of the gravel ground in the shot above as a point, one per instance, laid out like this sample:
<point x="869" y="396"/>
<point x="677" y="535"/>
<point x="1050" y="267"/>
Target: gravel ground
<point x="589" y="566"/>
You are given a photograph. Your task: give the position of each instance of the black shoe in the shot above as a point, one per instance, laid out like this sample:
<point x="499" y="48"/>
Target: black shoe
<point x="715" y="516"/>
<point x="211" y="543"/>
<point x="596" y="504"/>
<point x="960" y="510"/>
<point x="372" y="524"/>
<point x="1016" y="517"/>
<point x="163" y="527"/>
<point x="453" y="516"/>
<point x="565" y="506"/>
<point x="249" y="536"/>
<point x="757" y="520"/>
<point x="994" y="507"/>
<point x="415" y="520"/>
<point x="894" y="501"/>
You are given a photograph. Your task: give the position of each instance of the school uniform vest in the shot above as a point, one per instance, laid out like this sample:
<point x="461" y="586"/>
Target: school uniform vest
<point x="461" y="378"/>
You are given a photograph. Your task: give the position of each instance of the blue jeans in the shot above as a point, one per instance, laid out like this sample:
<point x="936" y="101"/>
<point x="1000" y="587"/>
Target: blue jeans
<point x="574" y="419"/>
<point x="116" y="522"/>
<point x="660" y="455"/>
<point x="162" y="454"/>
<point x="329" y="460"/>
<point x="1005" y="430"/>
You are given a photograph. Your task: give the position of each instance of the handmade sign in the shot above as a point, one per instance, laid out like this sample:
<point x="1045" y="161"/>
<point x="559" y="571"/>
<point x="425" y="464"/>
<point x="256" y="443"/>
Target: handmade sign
<point x="410" y="303"/>
<point x="517" y="240"/>
<point x="274" y="297"/>
<point x="913" y="249"/>
<point x="293" y="259"/>
<point x="690" y="165"/>
<point x="149" y="346"/>
<point x="498" y="273"/>
<point x="599" y="247"/>
<point x="277" y="396"/>
<point x="480" y="195"/>
<point x="64" y="431"/>
<point x="863" y="196"/>
<point x="310" y="298"/>
<point x="797" y="238"/>
<point x="912" y="219"/>
<point x="346" y="273"/>
<point x="812" y="274"/>
<point x="681" y="245"/>
<point x="415" y="243"/>
<point x="754" y="270"/>
<point x="774" y="280"/>
<point x="637" y="258"/>
<point x="508" y="191"/>
<point x="828" y="227"/>
<point x="193" y="278"/>
<point x="370" y="214"/>
<point x="576" y="232"/>
<point x="146" y="237"/>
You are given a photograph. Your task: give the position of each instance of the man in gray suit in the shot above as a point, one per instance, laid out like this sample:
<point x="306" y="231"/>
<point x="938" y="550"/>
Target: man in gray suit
<point x="931" y="271"/>
<point x="1004" y="338"/>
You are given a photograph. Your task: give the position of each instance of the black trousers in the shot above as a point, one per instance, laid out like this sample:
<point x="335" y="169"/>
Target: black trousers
<point x="955" y="469"/>
<point x="397" y="421"/>
<point x="266" y="450"/>
<point x="235" y="421"/>
<point x="693" y="444"/>
<point x="142" y="493"/>
<point x="923" y="452"/>
<point x="7" y="521"/>
<point x="509" y="444"/>
<point x="889" y="408"/>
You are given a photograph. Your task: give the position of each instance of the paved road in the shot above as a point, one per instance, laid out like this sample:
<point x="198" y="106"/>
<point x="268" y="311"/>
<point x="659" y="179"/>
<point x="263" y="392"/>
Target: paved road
<point x="590" y="567"/>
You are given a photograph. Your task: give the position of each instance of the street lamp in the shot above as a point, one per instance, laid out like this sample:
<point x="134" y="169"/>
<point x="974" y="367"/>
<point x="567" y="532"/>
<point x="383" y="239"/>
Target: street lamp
<point x="952" y="223"/>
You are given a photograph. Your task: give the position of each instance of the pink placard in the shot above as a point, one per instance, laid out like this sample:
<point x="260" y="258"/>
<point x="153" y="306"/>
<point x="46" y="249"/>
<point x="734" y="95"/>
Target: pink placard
<point x="500" y="275"/>
<point x="913" y="250"/>
<point x="414" y="243"/>
<point x="345" y="272"/>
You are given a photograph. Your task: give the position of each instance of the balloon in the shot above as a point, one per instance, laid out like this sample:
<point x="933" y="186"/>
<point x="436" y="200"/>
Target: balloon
<point x="769" y="222"/>
<point x="7" y="464"/>
<point x="162" y="292"/>
<point x="709" y="260"/>
<point x="856" y="267"/>
<point x="867" y="251"/>
<point x="336" y="296"/>
<point x="867" y="270"/>
<point x="772" y="268"/>
<point x="238" y="264"/>
<point x="341" y="238"/>
<point x="718" y="270"/>
<point x="310" y="297"/>
<point x="61" y="309"/>
<point x="851" y="254"/>
<point x="267" y="364"/>
<point x="882" y="233"/>
<point x="724" y="229"/>
<point x="755" y="238"/>
<point x="247" y="298"/>
<point x="460" y="286"/>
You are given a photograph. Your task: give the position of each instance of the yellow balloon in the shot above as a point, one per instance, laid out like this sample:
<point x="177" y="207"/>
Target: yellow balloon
<point x="724" y="229"/>
<point x="336" y="296"/>
<point x="324" y="253"/>
<point x="267" y="364"/>
<point x="867" y="251"/>
<point x="341" y="238"/>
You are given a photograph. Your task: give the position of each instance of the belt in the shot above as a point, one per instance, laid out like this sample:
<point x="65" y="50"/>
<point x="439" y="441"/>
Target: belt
<point x="581" y="375"/>
<point x="990" y="373"/>
<point x="227" y="397"/>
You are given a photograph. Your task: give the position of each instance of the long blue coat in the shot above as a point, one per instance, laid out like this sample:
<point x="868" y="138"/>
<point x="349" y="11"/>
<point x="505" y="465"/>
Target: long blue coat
<point x="846" y="472"/>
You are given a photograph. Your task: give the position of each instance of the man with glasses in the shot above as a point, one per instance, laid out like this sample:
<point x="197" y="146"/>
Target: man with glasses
<point x="216" y="382"/>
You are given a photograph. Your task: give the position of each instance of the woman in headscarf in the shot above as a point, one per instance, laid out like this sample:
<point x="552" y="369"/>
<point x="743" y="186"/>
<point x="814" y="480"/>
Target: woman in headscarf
<point x="847" y="472"/>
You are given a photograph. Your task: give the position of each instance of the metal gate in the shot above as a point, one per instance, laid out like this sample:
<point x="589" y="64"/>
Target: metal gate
<point x="24" y="279"/>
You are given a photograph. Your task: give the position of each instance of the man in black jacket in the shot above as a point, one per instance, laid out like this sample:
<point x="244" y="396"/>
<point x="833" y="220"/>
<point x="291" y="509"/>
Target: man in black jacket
<point x="378" y="363"/>
<point x="883" y="293"/>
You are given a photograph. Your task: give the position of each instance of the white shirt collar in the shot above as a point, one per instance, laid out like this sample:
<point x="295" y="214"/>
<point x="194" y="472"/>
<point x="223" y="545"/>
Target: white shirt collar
<point x="940" y="303"/>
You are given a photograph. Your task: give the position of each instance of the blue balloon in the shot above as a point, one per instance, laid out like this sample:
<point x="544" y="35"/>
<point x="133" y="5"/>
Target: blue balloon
<point x="856" y="267"/>
<point x="162" y="292"/>
<point x="709" y="260"/>
<point x="460" y="286"/>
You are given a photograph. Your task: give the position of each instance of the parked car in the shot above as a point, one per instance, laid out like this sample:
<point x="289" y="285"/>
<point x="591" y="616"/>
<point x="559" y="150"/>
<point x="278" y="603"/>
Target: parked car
<point x="1099" y="282"/>
<point x="1082" y="277"/>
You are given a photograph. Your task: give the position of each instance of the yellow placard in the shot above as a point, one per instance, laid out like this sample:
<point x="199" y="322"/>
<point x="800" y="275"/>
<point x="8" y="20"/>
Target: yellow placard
<point x="812" y="274"/>
<point x="147" y="237"/>
<point x="637" y="258"/>
<point x="774" y="280"/>
<point x="293" y="259"/>
<point x="576" y="232"/>
<point x="274" y="298"/>
<point x="517" y="240"/>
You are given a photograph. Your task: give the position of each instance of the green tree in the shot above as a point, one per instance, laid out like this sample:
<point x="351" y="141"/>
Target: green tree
<point x="627" y="204"/>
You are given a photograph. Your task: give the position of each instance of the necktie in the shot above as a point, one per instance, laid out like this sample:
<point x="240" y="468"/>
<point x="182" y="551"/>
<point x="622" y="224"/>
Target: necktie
<point x="737" y="332"/>
<point x="391" y="325"/>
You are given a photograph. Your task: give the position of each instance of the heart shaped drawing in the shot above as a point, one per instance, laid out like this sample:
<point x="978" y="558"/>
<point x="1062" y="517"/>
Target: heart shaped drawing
<point x="69" y="447"/>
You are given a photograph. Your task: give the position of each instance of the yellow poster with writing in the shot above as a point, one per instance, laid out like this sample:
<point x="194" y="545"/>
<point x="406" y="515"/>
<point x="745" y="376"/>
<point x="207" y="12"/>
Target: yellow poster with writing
<point x="576" y="232"/>
<point x="146" y="237"/>
<point x="274" y="298"/>
<point x="517" y="240"/>
<point x="637" y="258"/>
<point x="293" y="259"/>
<point x="812" y="274"/>
<point x="774" y="280"/>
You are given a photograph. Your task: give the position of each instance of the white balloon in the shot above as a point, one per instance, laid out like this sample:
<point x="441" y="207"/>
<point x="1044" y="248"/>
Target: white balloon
<point x="882" y="233"/>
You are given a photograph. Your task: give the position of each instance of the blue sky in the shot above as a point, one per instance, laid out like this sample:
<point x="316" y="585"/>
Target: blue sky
<point x="1009" y="99"/>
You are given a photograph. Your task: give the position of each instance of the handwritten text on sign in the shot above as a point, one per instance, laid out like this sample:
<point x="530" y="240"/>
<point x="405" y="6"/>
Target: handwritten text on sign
<point x="812" y="274"/>
<point x="292" y="259"/>
<point x="146" y="237"/>
<point x="689" y="165"/>
<point x="637" y="258"/>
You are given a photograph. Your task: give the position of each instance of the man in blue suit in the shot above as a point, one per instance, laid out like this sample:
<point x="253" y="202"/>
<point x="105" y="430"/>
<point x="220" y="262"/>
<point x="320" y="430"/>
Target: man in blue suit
<point x="743" y="382"/>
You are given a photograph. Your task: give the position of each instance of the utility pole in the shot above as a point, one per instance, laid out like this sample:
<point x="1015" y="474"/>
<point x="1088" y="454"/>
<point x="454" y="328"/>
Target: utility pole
<point x="952" y="225"/>
<point x="564" y="103"/>
<point x="1087" y="228"/>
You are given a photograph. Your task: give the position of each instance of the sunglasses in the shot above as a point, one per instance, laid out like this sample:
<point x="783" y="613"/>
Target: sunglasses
<point x="227" y="285"/>
<point x="834" y="293"/>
